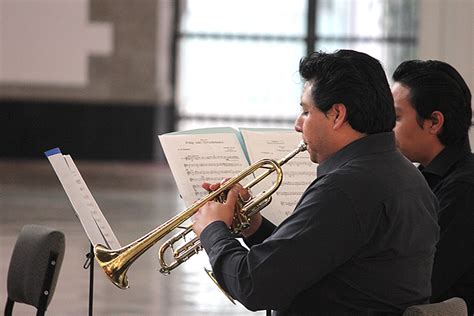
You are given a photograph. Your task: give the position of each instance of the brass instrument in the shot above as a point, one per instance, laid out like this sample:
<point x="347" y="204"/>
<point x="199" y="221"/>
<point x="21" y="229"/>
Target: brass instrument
<point x="115" y="262"/>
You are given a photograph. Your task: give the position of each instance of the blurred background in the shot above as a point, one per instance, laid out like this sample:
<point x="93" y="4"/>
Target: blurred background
<point x="102" y="78"/>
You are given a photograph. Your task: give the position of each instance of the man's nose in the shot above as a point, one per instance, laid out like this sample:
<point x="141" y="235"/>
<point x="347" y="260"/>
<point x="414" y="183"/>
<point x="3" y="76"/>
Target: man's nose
<point x="298" y="125"/>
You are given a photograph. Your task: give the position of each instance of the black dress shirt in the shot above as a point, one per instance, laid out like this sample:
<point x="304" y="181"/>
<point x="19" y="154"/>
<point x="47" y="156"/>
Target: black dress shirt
<point x="451" y="177"/>
<point x="360" y="241"/>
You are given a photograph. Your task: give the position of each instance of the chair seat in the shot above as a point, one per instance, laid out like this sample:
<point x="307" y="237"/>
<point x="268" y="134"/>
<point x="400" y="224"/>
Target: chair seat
<point x="454" y="306"/>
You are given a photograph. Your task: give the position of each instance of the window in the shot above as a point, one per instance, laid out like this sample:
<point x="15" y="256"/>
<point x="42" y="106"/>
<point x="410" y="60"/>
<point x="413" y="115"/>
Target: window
<point x="238" y="59"/>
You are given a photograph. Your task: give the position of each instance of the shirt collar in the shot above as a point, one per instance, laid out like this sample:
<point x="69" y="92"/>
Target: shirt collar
<point x="449" y="156"/>
<point x="370" y="144"/>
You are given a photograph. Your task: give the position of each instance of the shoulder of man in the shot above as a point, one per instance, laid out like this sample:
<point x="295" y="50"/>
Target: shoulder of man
<point x="462" y="172"/>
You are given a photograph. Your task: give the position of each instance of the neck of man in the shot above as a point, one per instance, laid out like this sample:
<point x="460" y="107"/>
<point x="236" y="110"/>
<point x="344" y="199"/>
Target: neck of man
<point x="341" y="140"/>
<point x="431" y="151"/>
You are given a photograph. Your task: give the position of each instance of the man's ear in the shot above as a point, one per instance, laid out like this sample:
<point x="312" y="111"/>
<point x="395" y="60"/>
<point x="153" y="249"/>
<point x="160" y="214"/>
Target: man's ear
<point x="435" y="122"/>
<point x="339" y="114"/>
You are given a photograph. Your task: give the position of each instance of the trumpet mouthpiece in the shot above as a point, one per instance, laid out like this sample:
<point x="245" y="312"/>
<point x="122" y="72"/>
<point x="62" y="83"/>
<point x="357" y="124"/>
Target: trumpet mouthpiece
<point x="302" y="146"/>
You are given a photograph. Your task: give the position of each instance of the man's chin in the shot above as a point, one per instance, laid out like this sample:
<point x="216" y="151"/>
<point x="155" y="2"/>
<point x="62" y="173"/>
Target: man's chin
<point x="313" y="158"/>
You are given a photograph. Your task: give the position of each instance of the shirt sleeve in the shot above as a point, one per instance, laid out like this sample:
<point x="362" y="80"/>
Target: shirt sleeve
<point x="322" y="233"/>
<point x="454" y="254"/>
<point x="263" y="232"/>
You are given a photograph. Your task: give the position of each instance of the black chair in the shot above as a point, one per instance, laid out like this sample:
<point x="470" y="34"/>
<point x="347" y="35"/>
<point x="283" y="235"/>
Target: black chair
<point x="34" y="267"/>
<point x="454" y="306"/>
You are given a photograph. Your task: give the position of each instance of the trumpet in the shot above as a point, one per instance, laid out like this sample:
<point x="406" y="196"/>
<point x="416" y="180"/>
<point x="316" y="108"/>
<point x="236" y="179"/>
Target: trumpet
<point x="116" y="262"/>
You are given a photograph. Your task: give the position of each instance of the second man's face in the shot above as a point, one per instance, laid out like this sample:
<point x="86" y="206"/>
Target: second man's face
<point x="409" y="135"/>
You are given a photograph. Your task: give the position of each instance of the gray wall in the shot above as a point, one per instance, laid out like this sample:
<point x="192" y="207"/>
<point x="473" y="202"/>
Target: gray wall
<point x="447" y="33"/>
<point x="127" y="71"/>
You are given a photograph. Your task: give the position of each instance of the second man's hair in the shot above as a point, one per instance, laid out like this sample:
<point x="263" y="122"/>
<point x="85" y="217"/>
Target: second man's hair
<point x="436" y="86"/>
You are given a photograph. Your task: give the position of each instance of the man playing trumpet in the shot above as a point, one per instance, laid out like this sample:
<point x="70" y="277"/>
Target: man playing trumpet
<point x="361" y="239"/>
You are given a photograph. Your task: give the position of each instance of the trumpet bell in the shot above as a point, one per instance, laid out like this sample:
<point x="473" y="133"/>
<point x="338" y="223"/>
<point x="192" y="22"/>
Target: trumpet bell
<point x="112" y="263"/>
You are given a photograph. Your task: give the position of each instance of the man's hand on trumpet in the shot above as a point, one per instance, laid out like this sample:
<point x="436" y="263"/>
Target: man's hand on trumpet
<point x="214" y="211"/>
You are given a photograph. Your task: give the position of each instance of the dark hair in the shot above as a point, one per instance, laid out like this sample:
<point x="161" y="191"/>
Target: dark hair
<point x="355" y="79"/>
<point x="436" y="86"/>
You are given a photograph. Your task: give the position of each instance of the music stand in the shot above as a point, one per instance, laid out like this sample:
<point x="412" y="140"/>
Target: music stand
<point x="86" y="209"/>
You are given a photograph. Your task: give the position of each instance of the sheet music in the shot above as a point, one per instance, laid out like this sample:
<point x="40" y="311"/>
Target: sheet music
<point x="298" y="173"/>
<point x="85" y="207"/>
<point x="205" y="157"/>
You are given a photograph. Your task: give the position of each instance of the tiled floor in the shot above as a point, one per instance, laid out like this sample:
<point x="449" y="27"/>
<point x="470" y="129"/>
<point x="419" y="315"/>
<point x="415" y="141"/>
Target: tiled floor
<point x="135" y="198"/>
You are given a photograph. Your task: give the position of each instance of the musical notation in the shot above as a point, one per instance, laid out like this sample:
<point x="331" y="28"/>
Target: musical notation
<point x="298" y="173"/>
<point x="288" y="203"/>
<point x="288" y="193"/>
<point x="204" y="155"/>
<point x="211" y="164"/>
<point x="298" y="163"/>
<point x="205" y="172"/>
<point x="85" y="207"/>
<point x="198" y="158"/>
<point x="294" y="183"/>
<point x="293" y="173"/>
<point x="195" y="157"/>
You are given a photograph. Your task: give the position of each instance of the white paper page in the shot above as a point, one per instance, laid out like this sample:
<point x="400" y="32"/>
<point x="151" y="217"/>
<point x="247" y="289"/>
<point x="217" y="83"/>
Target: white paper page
<point x="298" y="173"/>
<point x="194" y="159"/>
<point x="82" y="201"/>
<point x="93" y="207"/>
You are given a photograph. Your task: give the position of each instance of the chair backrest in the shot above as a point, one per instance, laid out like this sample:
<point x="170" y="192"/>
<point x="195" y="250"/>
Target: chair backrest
<point x="34" y="267"/>
<point x="454" y="306"/>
